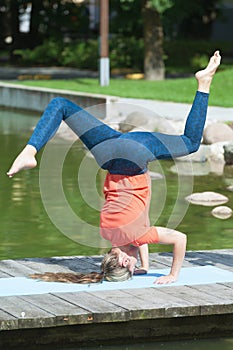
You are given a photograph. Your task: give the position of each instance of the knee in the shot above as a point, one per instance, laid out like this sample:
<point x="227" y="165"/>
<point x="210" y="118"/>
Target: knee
<point x="58" y="101"/>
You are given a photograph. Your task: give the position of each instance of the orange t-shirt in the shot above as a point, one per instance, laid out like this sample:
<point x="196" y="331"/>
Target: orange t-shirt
<point x="124" y="218"/>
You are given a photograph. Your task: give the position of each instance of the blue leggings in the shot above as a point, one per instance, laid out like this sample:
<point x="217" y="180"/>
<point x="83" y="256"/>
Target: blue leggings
<point x="126" y="154"/>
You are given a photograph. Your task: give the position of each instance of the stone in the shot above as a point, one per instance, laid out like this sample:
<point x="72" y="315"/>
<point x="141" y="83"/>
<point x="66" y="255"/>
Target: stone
<point x="228" y="153"/>
<point x="132" y="120"/>
<point x="222" y="212"/>
<point x="200" y="156"/>
<point x="230" y="188"/>
<point x="155" y="176"/>
<point x="190" y="169"/>
<point x="217" y="132"/>
<point x="207" y="198"/>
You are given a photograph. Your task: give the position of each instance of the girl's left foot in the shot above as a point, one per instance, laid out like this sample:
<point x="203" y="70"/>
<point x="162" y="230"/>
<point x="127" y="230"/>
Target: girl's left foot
<point x="205" y="76"/>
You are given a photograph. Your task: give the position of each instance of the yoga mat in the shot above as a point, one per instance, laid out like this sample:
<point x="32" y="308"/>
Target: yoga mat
<point x="188" y="276"/>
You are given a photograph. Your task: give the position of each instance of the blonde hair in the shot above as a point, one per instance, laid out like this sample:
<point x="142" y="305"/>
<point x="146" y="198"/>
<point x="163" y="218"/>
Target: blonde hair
<point x="110" y="271"/>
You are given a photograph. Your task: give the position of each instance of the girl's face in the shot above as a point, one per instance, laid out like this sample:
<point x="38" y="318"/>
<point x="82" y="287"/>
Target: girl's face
<point x="125" y="260"/>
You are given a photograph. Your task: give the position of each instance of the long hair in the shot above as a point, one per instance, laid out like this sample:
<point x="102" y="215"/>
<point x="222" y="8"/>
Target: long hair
<point x="110" y="271"/>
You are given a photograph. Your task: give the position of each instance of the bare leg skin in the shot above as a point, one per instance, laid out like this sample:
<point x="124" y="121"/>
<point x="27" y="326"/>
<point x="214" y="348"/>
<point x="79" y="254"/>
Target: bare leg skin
<point x="204" y="77"/>
<point x="25" y="160"/>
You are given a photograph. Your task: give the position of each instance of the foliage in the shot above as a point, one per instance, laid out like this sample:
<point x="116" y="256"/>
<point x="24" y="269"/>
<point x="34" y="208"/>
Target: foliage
<point x="81" y="55"/>
<point x="126" y="52"/>
<point x="161" y="5"/>
<point x="191" y="19"/>
<point x="126" y="19"/>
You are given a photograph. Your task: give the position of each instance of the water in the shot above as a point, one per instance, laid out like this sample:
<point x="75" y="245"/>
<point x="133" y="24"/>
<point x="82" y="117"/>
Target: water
<point x="210" y="344"/>
<point x="27" y="231"/>
<point x="195" y="344"/>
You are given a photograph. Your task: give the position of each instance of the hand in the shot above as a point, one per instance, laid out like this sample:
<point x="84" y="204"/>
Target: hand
<point x="140" y="271"/>
<point x="165" y="279"/>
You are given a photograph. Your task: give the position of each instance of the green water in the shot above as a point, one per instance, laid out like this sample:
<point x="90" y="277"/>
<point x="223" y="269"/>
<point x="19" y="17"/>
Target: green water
<point x="195" y="344"/>
<point x="210" y="344"/>
<point x="27" y="230"/>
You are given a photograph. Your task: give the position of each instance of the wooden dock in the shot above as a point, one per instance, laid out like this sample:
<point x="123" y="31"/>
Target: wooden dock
<point x="106" y="317"/>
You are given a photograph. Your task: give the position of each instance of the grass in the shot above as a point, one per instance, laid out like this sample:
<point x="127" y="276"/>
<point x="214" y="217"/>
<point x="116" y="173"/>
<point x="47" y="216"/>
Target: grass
<point x="176" y="90"/>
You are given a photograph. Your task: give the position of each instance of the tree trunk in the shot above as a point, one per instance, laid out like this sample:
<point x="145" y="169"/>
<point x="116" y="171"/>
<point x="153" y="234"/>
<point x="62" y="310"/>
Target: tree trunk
<point x="153" y="36"/>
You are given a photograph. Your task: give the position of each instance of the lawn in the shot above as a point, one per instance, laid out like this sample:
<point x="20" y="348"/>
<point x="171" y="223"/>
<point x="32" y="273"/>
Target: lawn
<point x="176" y="90"/>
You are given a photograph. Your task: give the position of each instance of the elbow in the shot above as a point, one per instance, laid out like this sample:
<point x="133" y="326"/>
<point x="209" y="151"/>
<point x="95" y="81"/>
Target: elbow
<point x="181" y="239"/>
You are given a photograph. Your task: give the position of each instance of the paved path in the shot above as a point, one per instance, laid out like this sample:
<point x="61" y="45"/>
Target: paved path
<point x="179" y="111"/>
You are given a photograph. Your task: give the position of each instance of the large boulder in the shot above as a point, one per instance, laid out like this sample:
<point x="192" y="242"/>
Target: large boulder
<point x="217" y="132"/>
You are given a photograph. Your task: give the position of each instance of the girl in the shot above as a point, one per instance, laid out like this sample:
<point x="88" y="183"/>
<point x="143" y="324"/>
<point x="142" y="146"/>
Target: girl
<point x="124" y="217"/>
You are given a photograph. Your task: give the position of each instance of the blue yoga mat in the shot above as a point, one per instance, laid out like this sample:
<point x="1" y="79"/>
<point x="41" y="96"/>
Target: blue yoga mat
<point x="188" y="276"/>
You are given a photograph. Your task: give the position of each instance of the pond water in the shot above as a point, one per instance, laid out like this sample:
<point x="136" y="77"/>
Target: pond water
<point x="196" y="344"/>
<point x="210" y="344"/>
<point x="30" y="229"/>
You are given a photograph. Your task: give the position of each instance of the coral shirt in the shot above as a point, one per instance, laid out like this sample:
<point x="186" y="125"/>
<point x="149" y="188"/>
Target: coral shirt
<point x="124" y="218"/>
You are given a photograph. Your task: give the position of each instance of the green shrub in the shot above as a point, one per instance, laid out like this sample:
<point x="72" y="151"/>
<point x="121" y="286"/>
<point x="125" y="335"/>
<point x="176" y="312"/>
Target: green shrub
<point x="126" y="52"/>
<point x="83" y="55"/>
<point x="46" y="54"/>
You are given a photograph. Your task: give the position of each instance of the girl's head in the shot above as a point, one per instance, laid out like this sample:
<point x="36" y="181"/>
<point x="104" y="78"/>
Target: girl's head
<point x="117" y="266"/>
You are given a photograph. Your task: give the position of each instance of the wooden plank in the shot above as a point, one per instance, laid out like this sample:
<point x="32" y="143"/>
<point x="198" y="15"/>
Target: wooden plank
<point x="219" y="259"/>
<point x="4" y="274"/>
<point x="164" y="260"/>
<point x="60" y="264"/>
<point x="7" y="321"/>
<point x="14" y="268"/>
<point x="209" y="303"/>
<point x="66" y="313"/>
<point x="218" y="290"/>
<point x="28" y="316"/>
<point x="101" y="310"/>
<point x="228" y="284"/>
<point x="143" y="307"/>
<point x="173" y="306"/>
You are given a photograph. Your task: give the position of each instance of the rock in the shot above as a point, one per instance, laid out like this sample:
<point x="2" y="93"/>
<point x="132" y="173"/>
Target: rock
<point x="155" y="176"/>
<point x="217" y="132"/>
<point x="207" y="198"/>
<point x="222" y="212"/>
<point x="171" y="127"/>
<point x="200" y="156"/>
<point x="228" y="153"/>
<point x="134" y="119"/>
<point x="230" y="188"/>
<point x="65" y="133"/>
<point x="217" y="151"/>
<point x="191" y="169"/>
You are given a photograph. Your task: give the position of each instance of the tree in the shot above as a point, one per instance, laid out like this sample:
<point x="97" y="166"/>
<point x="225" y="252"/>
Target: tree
<point x="152" y="10"/>
<point x="192" y="19"/>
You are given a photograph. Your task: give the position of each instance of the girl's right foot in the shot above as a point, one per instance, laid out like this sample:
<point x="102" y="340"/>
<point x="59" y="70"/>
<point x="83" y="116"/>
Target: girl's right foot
<point x="25" y="160"/>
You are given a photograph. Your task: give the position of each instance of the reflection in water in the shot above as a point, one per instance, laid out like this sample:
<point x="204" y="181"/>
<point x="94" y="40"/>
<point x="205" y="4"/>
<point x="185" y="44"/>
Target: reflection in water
<point x="26" y="230"/>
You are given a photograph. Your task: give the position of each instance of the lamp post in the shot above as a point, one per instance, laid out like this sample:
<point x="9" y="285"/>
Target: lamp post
<point x="104" y="64"/>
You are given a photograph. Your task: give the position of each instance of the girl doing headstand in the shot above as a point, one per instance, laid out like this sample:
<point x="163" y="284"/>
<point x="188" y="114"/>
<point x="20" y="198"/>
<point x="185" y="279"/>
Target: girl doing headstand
<point x="124" y="217"/>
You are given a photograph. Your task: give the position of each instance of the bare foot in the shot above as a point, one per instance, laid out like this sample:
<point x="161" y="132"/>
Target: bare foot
<point x="205" y="76"/>
<point x="25" y="160"/>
